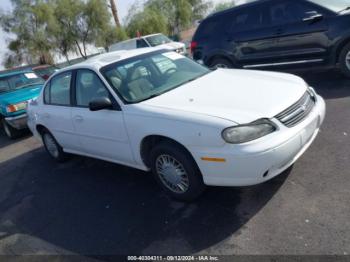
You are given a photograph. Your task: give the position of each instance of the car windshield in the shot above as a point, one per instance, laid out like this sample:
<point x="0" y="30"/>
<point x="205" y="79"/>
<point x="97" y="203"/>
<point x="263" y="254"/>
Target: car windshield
<point x="19" y="81"/>
<point x="156" y="40"/>
<point x="45" y="72"/>
<point x="150" y="75"/>
<point x="333" y="5"/>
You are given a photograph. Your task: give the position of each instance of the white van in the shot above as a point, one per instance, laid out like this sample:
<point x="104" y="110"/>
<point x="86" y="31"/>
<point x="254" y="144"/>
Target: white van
<point x="149" y="41"/>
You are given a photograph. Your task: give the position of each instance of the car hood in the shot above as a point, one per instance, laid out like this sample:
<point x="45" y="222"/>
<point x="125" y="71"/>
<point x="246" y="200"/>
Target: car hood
<point x="20" y="95"/>
<point x="241" y="96"/>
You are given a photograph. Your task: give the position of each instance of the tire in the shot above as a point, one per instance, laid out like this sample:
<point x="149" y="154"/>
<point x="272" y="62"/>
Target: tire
<point x="10" y="132"/>
<point x="167" y="161"/>
<point x="221" y="63"/>
<point x="52" y="147"/>
<point x="344" y="60"/>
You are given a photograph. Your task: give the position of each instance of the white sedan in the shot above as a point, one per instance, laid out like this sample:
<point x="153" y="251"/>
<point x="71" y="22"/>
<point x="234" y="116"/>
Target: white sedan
<point x="156" y="110"/>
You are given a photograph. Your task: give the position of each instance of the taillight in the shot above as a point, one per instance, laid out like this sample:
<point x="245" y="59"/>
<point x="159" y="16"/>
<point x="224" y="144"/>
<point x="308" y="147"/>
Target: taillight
<point x="193" y="46"/>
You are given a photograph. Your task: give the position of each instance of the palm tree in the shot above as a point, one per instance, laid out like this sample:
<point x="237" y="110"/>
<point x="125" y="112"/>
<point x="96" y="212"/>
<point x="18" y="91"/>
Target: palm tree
<point x="113" y="7"/>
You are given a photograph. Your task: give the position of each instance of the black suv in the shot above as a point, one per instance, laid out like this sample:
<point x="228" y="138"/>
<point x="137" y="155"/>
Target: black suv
<point x="271" y="34"/>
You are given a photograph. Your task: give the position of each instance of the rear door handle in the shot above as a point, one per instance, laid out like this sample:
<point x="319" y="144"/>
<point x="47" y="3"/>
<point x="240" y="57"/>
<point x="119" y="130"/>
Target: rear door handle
<point x="78" y="119"/>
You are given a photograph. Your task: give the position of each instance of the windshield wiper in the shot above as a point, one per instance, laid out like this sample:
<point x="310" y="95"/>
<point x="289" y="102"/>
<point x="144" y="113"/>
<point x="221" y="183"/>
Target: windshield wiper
<point x="148" y="97"/>
<point x="343" y="10"/>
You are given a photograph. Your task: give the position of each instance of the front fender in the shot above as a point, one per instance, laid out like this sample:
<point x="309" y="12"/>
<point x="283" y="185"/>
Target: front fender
<point x="189" y="134"/>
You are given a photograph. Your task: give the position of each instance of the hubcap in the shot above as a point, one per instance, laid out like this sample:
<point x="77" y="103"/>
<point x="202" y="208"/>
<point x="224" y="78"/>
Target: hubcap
<point x="221" y="66"/>
<point x="51" y="145"/>
<point x="347" y="60"/>
<point x="172" y="174"/>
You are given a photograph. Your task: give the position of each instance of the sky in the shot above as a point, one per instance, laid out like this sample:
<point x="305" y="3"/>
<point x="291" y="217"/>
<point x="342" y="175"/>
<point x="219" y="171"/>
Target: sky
<point x="122" y="5"/>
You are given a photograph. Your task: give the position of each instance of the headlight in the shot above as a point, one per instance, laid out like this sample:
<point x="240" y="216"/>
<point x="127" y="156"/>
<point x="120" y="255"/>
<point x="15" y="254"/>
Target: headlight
<point x="245" y="133"/>
<point x="16" y="107"/>
<point x="312" y="92"/>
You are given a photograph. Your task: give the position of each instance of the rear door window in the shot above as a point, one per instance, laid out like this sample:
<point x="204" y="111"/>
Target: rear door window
<point x="289" y="12"/>
<point x="59" y="90"/>
<point x="247" y="20"/>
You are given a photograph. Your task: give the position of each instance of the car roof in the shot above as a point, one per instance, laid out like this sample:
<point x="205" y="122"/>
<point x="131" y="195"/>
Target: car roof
<point x="41" y="67"/>
<point x="133" y="39"/>
<point x="99" y="61"/>
<point x="252" y="3"/>
<point x="16" y="72"/>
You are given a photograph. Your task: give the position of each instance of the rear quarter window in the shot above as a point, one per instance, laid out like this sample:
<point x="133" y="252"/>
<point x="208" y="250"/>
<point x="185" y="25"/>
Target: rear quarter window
<point x="57" y="91"/>
<point x="208" y="28"/>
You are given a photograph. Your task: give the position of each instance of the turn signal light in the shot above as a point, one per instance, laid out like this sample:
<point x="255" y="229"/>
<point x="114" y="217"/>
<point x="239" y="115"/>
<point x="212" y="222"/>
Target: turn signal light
<point x="16" y="107"/>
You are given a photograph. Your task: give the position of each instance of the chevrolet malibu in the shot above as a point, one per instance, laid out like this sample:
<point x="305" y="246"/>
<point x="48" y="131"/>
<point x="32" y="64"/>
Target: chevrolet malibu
<point x="156" y="110"/>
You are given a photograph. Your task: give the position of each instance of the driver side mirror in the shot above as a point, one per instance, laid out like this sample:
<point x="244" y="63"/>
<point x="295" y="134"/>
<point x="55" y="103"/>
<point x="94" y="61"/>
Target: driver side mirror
<point x="313" y="17"/>
<point x="100" y="104"/>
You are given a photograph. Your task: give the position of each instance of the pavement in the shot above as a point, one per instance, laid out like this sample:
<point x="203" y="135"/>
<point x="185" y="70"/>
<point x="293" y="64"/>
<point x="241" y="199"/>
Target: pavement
<point x="90" y="207"/>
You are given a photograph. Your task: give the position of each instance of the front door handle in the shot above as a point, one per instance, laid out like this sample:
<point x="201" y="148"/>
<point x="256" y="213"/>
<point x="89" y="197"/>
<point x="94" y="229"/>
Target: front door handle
<point x="78" y="119"/>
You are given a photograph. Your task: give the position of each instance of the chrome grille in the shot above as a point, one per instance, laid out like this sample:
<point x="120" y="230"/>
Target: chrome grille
<point x="298" y="111"/>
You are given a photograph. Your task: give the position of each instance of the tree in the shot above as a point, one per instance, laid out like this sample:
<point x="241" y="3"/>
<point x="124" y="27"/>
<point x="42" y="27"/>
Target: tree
<point x="28" y="22"/>
<point x="80" y="23"/>
<point x="43" y="27"/>
<point x="200" y="8"/>
<point x="223" y="6"/>
<point x="114" y="10"/>
<point x="112" y="35"/>
<point x="147" y="21"/>
<point x="179" y="14"/>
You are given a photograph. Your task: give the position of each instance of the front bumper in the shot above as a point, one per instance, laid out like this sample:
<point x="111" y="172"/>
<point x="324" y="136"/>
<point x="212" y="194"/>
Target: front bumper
<point x="17" y="122"/>
<point x="261" y="160"/>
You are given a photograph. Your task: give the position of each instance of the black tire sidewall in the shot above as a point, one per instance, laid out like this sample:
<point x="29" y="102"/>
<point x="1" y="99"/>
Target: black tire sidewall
<point x="13" y="133"/>
<point x="222" y="61"/>
<point x="61" y="155"/>
<point x="342" y="60"/>
<point x="196" y="184"/>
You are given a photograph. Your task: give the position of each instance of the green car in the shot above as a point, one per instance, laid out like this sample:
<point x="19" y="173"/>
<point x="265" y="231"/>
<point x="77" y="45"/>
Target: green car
<point x="16" y="89"/>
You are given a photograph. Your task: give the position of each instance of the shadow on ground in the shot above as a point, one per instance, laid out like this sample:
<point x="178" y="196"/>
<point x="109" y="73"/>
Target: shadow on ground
<point x="93" y="207"/>
<point x="329" y="84"/>
<point x="5" y="141"/>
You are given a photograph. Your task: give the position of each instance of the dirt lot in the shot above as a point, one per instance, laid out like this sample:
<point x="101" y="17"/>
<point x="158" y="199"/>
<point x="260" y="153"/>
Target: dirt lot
<point x="91" y="207"/>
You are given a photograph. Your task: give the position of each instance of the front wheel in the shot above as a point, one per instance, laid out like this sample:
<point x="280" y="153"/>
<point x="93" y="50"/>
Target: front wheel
<point x="10" y="131"/>
<point x="176" y="172"/>
<point x="221" y="63"/>
<point x="344" y="60"/>
<point x="52" y="147"/>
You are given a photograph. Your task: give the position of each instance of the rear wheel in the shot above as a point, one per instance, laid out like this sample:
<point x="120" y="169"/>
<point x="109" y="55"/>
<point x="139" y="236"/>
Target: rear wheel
<point x="221" y="63"/>
<point x="344" y="60"/>
<point x="52" y="147"/>
<point x="11" y="132"/>
<point x="176" y="171"/>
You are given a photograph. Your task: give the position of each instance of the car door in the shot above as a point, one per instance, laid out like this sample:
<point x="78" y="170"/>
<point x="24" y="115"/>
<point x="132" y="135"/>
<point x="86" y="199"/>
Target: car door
<point x="300" y="29"/>
<point x="248" y="35"/>
<point x="101" y="133"/>
<point x="56" y="115"/>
